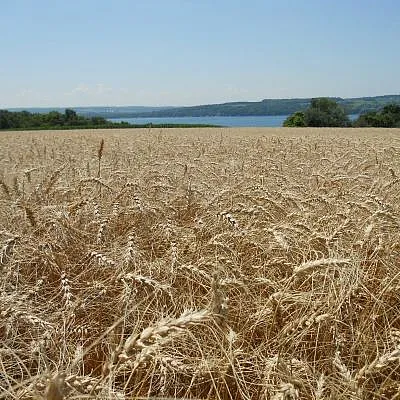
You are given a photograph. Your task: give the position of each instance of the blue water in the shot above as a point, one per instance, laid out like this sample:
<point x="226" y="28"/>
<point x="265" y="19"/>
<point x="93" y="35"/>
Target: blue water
<point x="266" y="121"/>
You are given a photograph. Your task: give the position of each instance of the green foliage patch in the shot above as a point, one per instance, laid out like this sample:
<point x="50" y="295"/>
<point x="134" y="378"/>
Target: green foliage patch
<point x="388" y="117"/>
<point x="323" y="112"/>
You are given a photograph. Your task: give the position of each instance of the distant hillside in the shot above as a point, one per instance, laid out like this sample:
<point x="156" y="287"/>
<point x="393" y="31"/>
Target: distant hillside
<point x="94" y="111"/>
<point x="244" y="108"/>
<point x="269" y="107"/>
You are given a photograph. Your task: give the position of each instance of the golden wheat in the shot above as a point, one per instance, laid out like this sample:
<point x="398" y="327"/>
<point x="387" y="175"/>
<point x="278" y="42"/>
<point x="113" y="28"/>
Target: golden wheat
<point x="200" y="264"/>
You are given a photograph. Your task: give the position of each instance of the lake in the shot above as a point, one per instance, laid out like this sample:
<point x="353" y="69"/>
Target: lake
<point x="267" y="121"/>
<point x="248" y="121"/>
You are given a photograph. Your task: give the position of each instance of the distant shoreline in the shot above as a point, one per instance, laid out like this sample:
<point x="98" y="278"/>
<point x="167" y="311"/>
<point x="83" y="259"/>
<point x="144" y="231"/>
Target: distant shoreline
<point x="97" y="127"/>
<point x="54" y="120"/>
<point x="266" y="107"/>
<point x="269" y="121"/>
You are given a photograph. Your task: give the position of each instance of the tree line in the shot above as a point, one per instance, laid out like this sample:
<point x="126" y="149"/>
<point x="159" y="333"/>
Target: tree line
<point x="325" y="112"/>
<point x="70" y="120"/>
<point x="51" y="120"/>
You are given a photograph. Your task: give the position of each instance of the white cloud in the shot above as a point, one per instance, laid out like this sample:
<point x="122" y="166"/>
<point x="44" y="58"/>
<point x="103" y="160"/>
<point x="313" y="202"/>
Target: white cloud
<point x="101" y="88"/>
<point x="23" y="93"/>
<point x="97" y="89"/>
<point x="81" y="88"/>
<point x="26" y="97"/>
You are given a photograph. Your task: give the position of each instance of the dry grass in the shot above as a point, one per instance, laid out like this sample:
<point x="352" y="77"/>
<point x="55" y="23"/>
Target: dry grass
<point x="207" y="264"/>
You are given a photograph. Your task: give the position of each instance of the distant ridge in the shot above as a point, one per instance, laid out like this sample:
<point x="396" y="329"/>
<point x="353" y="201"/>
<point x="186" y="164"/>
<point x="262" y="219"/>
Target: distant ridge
<point x="355" y="105"/>
<point x="92" y="111"/>
<point x="265" y="107"/>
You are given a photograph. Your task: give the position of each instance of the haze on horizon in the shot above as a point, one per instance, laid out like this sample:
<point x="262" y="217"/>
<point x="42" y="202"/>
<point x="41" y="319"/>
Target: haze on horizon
<point x="188" y="52"/>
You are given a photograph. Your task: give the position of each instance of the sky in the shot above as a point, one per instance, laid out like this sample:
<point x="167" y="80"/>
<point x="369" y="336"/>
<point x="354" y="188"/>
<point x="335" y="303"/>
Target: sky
<point x="186" y="52"/>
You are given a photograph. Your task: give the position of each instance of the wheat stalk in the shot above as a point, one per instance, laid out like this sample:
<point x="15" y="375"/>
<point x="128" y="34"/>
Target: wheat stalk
<point x="310" y="266"/>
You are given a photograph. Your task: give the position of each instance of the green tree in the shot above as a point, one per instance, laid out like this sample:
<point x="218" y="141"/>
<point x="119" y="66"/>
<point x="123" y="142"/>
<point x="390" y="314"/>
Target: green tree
<point x="70" y="115"/>
<point x="98" y="121"/>
<point x="325" y="112"/>
<point x="296" y="119"/>
<point x="321" y="112"/>
<point x="54" y="118"/>
<point x="5" y="120"/>
<point x="388" y="117"/>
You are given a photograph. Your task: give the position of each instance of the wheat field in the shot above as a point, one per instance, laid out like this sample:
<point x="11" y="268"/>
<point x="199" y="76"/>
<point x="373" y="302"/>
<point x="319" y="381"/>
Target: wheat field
<point x="200" y="264"/>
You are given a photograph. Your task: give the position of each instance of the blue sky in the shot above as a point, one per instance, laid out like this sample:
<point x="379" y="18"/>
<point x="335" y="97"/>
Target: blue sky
<point x="185" y="52"/>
